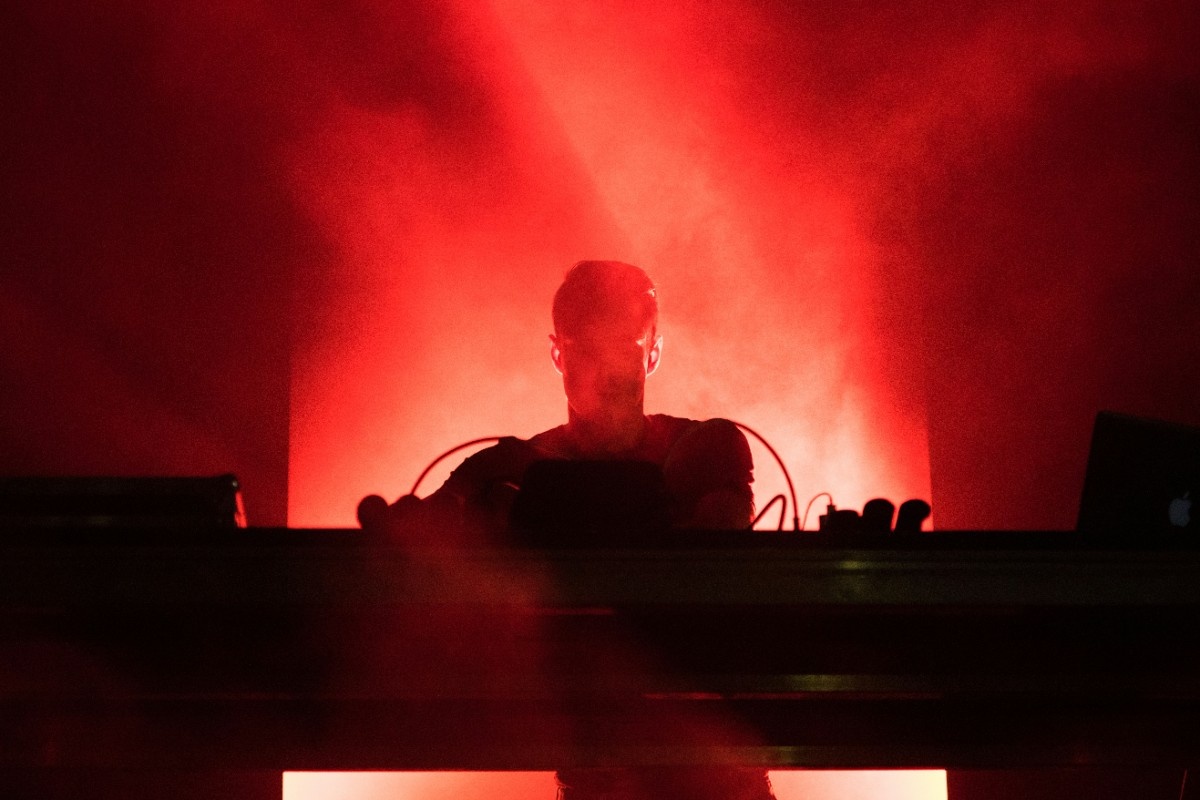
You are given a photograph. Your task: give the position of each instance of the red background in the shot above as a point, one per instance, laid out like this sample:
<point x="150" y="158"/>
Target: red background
<point x="917" y="245"/>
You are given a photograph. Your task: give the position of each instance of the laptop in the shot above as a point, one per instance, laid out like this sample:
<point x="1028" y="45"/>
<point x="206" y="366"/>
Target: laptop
<point x="586" y="503"/>
<point x="1142" y="480"/>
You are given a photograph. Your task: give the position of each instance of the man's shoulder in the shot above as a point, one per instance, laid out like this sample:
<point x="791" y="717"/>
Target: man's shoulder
<point x="667" y="422"/>
<point x="673" y="428"/>
<point x="713" y="446"/>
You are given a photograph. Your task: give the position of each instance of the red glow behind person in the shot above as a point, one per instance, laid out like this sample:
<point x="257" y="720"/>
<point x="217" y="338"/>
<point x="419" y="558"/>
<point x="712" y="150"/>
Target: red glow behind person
<point x="605" y="344"/>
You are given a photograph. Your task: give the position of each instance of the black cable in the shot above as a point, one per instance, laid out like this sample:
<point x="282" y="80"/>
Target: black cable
<point x="782" y="466"/>
<point x="782" y="511"/>
<point x="808" y="507"/>
<point x="796" y="524"/>
<point x="451" y="452"/>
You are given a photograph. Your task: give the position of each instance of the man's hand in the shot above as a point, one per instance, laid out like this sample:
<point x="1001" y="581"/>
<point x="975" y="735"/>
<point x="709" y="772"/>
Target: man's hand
<point x="441" y="520"/>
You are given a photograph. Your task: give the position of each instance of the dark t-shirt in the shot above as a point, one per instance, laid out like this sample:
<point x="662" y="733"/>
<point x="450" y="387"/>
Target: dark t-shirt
<point x="699" y="460"/>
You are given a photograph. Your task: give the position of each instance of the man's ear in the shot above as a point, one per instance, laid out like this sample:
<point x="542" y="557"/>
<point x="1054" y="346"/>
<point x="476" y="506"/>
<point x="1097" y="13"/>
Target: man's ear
<point x="654" y="356"/>
<point x="556" y="354"/>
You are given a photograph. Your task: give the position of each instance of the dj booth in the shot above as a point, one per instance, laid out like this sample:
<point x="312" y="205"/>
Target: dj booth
<point x="245" y="652"/>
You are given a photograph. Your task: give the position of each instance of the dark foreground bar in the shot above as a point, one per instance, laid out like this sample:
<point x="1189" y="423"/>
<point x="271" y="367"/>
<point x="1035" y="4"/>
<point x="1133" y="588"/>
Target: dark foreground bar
<point x="258" y="650"/>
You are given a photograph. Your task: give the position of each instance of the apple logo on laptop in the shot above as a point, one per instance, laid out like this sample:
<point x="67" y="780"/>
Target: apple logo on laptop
<point x="1180" y="510"/>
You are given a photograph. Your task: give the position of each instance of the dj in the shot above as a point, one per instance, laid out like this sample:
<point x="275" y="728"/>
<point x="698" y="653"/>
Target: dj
<point x="605" y="344"/>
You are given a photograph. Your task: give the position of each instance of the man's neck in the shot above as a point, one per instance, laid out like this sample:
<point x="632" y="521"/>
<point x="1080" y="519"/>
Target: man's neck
<point x="607" y="438"/>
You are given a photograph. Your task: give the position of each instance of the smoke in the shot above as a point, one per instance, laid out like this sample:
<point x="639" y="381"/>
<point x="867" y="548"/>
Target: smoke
<point x="850" y="210"/>
<point x="643" y="125"/>
<point x="783" y="172"/>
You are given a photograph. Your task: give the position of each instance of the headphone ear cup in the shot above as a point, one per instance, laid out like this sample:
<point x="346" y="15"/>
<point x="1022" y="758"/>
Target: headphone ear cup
<point x="877" y="516"/>
<point x="911" y="515"/>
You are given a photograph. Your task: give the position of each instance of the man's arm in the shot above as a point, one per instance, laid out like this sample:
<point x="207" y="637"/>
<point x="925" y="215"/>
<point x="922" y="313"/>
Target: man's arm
<point x="472" y="505"/>
<point x="708" y="473"/>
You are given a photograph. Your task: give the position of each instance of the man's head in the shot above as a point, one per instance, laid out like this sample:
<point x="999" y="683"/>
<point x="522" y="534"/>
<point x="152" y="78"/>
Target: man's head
<point x="605" y="341"/>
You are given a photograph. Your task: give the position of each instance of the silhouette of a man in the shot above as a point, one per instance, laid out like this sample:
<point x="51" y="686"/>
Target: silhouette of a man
<point x="605" y="344"/>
